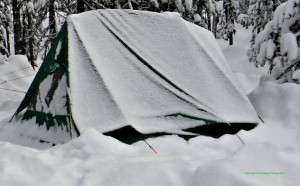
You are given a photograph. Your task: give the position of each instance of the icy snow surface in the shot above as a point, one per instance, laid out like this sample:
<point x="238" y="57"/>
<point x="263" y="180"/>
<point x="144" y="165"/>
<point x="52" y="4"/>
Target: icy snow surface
<point x="270" y="156"/>
<point x="124" y="91"/>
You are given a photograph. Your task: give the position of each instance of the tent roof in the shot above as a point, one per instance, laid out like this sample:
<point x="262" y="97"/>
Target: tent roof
<point x="155" y="72"/>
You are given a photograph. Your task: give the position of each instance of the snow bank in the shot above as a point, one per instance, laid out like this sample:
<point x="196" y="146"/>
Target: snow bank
<point x="15" y="76"/>
<point x="94" y="159"/>
<point x="278" y="103"/>
<point x="259" y="164"/>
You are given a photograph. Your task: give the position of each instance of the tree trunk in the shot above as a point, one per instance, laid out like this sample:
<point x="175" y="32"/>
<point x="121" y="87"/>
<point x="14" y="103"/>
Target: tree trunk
<point x="230" y="38"/>
<point x="208" y="20"/>
<point x="80" y="6"/>
<point x="8" y="42"/>
<point x="232" y="32"/>
<point x="215" y="25"/>
<point x="31" y="54"/>
<point x="24" y="40"/>
<point x="52" y="21"/>
<point x="229" y="19"/>
<point x="17" y="26"/>
<point x="130" y="5"/>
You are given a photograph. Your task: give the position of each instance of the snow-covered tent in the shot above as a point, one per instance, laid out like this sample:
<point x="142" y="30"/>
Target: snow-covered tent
<point x="134" y="75"/>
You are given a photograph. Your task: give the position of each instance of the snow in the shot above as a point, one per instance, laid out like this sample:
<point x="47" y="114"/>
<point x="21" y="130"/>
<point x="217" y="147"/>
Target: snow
<point x="155" y="3"/>
<point x="197" y="18"/>
<point x="7" y="76"/>
<point x="178" y="4"/>
<point x="219" y="7"/>
<point x="270" y="155"/>
<point x="59" y="45"/>
<point x="271" y="47"/>
<point x="236" y="55"/>
<point x="29" y="6"/>
<point x="2" y="59"/>
<point x="289" y="45"/>
<point x="279" y="97"/>
<point x="188" y="4"/>
<point x="296" y="75"/>
<point x="242" y="19"/>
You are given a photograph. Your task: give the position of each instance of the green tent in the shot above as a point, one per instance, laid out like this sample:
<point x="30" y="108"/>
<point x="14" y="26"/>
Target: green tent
<point x="134" y="75"/>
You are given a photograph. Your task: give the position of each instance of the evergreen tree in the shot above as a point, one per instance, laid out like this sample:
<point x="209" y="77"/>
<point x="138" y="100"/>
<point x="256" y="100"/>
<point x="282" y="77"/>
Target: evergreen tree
<point x="278" y="44"/>
<point x="16" y="7"/>
<point x="260" y="12"/>
<point x="5" y="27"/>
<point x="218" y="23"/>
<point x="244" y="5"/>
<point x="32" y="38"/>
<point x="231" y="13"/>
<point x="52" y="21"/>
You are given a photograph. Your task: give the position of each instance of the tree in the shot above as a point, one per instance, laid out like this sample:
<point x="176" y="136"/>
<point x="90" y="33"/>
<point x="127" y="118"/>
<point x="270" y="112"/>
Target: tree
<point x="80" y="6"/>
<point x="218" y="19"/>
<point x="278" y="44"/>
<point x="244" y="5"/>
<point x="224" y="13"/>
<point x="200" y="13"/>
<point x="5" y="28"/>
<point x="52" y="21"/>
<point x="260" y="12"/>
<point x="32" y="38"/>
<point x="231" y="13"/>
<point x="16" y="7"/>
<point x="37" y="38"/>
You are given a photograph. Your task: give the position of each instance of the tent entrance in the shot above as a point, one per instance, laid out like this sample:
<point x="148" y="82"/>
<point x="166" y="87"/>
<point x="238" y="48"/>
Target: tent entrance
<point x="130" y="135"/>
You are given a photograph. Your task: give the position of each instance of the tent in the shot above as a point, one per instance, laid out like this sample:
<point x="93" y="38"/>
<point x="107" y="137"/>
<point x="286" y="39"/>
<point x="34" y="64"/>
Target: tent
<point x="133" y="75"/>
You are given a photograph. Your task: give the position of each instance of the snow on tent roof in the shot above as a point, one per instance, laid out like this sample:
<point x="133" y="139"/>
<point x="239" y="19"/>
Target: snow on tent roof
<point x="157" y="73"/>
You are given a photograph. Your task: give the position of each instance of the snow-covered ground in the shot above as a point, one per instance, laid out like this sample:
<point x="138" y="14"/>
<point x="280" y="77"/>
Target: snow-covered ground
<point x="270" y="156"/>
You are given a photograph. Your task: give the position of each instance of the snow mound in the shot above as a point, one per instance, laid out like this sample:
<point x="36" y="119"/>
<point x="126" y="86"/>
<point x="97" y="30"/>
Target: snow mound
<point x="277" y="103"/>
<point x="258" y="164"/>
<point x="95" y="159"/>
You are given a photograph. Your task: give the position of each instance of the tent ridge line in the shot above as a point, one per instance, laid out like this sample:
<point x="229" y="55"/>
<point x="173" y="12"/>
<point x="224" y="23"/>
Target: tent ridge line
<point x="158" y="83"/>
<point x="143" y="60"/>
<point x="155" y="71"/>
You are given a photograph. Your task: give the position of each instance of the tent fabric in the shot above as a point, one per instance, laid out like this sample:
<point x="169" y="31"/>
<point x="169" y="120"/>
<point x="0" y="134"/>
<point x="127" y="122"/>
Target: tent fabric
<point x="156" y="73"/>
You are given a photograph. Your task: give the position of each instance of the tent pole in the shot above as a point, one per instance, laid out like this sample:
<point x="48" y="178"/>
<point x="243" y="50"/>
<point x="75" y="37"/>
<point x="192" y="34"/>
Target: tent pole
<point x="72" y="121"/>
<point x="12" y="117"/>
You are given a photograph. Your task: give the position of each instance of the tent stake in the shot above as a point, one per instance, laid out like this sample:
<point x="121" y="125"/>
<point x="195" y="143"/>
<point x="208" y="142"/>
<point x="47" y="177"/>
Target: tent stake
<point x="150" y="146"/>
<point x="240" y="138"/>
<point x="237" y="135"/>
<point x="260" y="119"/>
